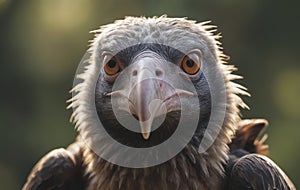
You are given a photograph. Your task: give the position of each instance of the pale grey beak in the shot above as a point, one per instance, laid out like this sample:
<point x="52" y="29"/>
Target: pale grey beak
<point x="148" y="93"/>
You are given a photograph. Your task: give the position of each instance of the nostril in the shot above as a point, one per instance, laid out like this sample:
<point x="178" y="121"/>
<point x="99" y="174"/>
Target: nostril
<point x="160" y="85"/>
<point x="158" y="72"/>
<point x="134" y="72"/>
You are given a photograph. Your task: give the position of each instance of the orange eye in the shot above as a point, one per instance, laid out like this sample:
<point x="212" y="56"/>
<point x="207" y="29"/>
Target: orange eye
<point x="191" y="63"/>
<point x="112" y="66"/>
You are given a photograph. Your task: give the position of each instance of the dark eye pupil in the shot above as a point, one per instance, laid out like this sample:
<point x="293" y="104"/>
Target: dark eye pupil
<point x="190" y="63"/>
<point x="111" y="63"/>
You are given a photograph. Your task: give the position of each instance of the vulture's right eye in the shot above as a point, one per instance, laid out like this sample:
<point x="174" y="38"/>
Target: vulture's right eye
<point x="112" y="66"/>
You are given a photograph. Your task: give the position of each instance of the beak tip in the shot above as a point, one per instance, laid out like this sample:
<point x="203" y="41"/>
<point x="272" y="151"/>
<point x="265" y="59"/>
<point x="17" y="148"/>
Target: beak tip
<point x="146" y="135"/>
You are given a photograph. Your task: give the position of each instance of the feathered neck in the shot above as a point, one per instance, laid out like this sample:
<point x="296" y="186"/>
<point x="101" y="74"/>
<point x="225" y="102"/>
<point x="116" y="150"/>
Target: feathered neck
<point x="187" y="170"/>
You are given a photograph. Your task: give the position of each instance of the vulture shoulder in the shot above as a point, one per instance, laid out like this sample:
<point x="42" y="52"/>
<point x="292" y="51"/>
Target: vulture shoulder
<point x="60" y="169"/>
<point x="249" y="167"/>
<point x="257" y="172"/>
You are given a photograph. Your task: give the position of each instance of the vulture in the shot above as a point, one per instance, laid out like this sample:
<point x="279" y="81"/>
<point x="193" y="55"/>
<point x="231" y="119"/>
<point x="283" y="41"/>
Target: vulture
<point x="156" y="107"/>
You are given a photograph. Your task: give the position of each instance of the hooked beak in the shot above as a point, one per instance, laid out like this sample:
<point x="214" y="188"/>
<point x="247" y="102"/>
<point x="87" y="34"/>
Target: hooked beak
<point x="147" y="99"/>
<point x="148" y="93"/>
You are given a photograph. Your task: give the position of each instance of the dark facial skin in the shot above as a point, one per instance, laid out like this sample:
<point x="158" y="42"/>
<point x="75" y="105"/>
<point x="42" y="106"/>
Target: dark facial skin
<point x="134" y="139"/>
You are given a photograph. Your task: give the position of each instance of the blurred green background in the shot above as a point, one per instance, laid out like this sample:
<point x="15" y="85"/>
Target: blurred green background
<point x="42" y="42"/>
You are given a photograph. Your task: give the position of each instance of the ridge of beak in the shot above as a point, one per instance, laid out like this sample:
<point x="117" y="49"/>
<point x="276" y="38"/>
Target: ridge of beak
<point x="146" y="104"/>
<point x="147" y="92"/>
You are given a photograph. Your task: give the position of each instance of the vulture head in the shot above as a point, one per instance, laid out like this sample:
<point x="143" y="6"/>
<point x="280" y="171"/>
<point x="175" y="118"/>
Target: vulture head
<point x="157" y="86"/>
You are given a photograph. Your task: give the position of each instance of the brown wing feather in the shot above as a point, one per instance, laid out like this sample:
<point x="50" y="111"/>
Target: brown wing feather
<point x="257" y="172"/>
<point x="248" y="167"/>
<point x="60" y="169"/>
<point x="247" y="137"/>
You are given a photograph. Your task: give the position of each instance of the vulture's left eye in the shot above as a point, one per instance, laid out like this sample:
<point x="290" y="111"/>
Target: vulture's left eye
<point x="112" y="66"/>
<point x="191" y="63"/>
